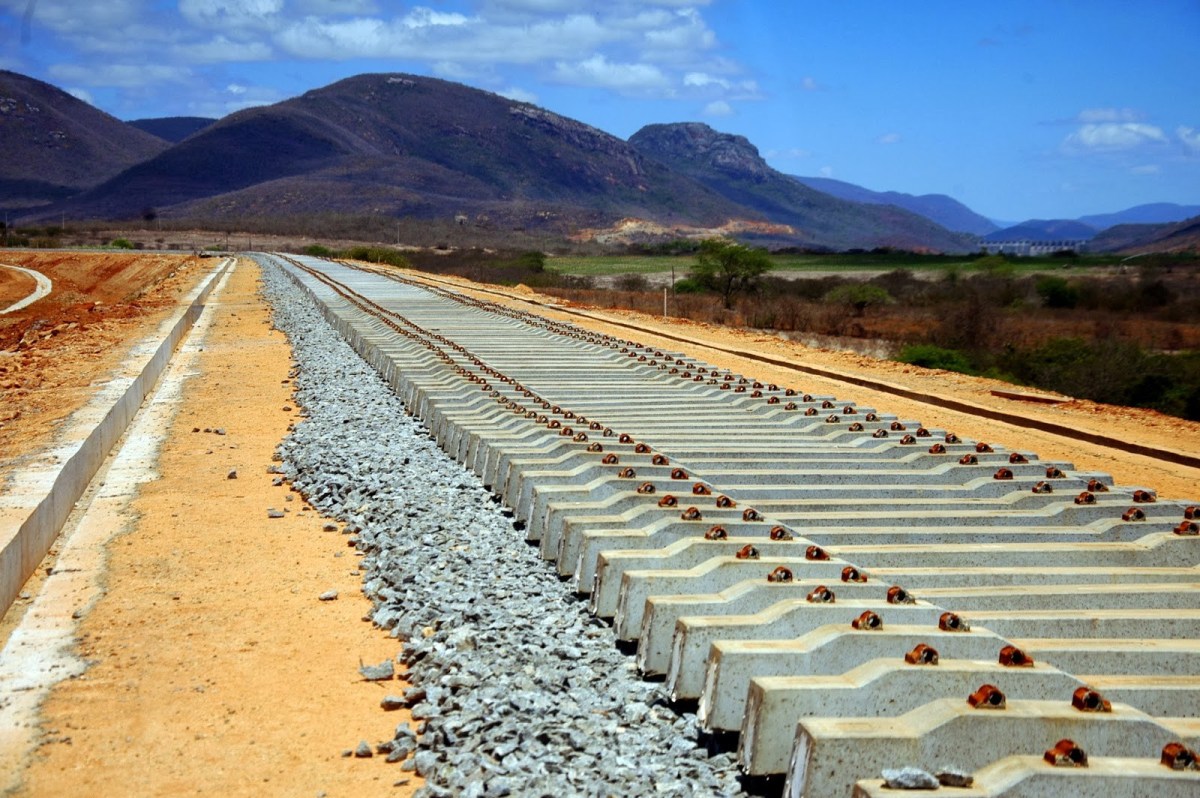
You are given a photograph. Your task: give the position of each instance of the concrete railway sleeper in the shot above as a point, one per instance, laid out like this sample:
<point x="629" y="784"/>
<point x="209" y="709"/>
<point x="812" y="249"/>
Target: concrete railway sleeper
<point x="846" y="590"/>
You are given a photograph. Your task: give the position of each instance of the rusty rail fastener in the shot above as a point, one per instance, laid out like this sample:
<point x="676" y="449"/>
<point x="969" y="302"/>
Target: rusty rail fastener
<point x="852" y="574"/>
<point x="1086" y="699"/>
<point x="724" y="502"/>
<point x="691" y="514"/>
<point x="627" y="473"/>
<point x="821" y="595"/>
<point x="1043" y="487"/>
<point x="781" y="533"/>
<point x="922" y="654"/>
<point x="645" y="488"/>
<point x="608" y="459"/>
<point x="1016" y="458"/>
<point x="716" y="532"/>
<point x="747" y="552"/>
<point x="968" y="459"/>
<point x="988" y="696"/>
<point x="642" y="448"/>
<point x="750" y="514"/>
<point x="1013" y="657"/>
<point x="780" y="574"/>
<point x="815" y="553"/>
<point x="1144" y="497"/>
<point x="898" y="595"/>
<point x="1188" y="528"/>
<point x="937" y="448"/>
<point x="1003" y="473"/>
<point x="1054" y="472"/>
<point x="867" y="622"/>
<point x="1066" y="754"/>
<point x="1096" y="486"/>
<point x="668" y="501"/>
<point x="700" y="489"/>
<point x="951" y="438"/>
<point x="879" y="433"/>
<point x="952" y="622"/>
<point x="1177" y="756"/>
<point x="855" y="427"/>
<point x="595" y="447"/>
<point x="660" y="460"/>
<point x="1133" y="514"/>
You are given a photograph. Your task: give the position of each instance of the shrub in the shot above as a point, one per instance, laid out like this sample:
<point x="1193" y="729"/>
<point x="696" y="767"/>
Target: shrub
<point x="858" y="296"/>
<point x="931" y="356"/>
<point x="632" y="282"/>
<point x="121" y="243"/>
<point x="318" y="251"/>
<point x="1056" y="292"/>
<point x="688" y="286"/>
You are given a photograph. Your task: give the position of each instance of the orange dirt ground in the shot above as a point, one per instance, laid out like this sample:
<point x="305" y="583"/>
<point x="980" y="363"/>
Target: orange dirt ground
<point x="214" y="668"/>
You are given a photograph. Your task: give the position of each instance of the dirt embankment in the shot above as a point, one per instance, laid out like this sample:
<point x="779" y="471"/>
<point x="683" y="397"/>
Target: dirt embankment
<point x="52" y="351"/>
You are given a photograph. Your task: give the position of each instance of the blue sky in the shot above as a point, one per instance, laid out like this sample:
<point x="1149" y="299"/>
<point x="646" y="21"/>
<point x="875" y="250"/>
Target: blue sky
<point x="1021" y="109"/>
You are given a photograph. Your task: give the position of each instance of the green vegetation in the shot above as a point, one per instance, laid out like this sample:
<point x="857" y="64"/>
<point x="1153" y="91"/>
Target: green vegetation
<point x="121" y="243"/>
<point x="858" y="296"/>
<point x="931" y="356"/>
<point x="384" y="255"/>
<point x="729" y="269"/>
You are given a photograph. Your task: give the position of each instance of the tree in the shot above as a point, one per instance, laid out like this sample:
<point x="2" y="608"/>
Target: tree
<point x="858" y="296"/>
<point x="729" y="268"/>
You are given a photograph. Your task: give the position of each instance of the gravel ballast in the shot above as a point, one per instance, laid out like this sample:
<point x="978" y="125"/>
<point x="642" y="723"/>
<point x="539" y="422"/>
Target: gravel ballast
<point x="517" y="689"/>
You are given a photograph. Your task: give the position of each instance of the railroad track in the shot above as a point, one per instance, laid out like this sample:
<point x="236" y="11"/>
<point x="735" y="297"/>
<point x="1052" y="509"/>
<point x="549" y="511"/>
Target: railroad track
<point x="844" y="590"/>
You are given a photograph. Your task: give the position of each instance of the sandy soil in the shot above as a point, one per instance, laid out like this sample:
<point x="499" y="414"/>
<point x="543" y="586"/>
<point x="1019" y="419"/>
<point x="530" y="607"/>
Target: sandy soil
<point x="14" y="286"/>
<point x="215" y="669"/>
<point x="53" y="350"/>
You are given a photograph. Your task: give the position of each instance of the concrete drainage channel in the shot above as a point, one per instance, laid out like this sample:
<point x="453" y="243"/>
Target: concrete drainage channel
<point x="843" y="591"/>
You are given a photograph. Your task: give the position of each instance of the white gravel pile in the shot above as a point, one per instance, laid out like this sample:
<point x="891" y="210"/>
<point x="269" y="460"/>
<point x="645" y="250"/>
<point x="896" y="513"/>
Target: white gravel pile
<point x="518" y="690"/>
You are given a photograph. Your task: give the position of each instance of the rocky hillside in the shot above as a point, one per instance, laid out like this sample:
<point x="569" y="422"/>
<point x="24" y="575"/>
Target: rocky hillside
<point x="55" y="145"/>
<point x="731" y="166"/>
<point x="400" y="144"/>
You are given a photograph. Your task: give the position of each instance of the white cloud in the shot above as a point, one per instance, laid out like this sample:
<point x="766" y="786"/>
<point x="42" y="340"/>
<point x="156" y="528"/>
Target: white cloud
<point x="519" y="94"/>
<point x="1095" y="115"/>
<point x="443" y="37"/>
<point x="1113" y="137"/>
<point x="332" y="7"/>
<point x="703" y="79"/>
<point x="236" y="88"/>
<point x="599" y="71"/>
<point x="1190" y="137"/>
<point x="688" y="34"/>
<point x="1146" y="169"/>
<point x="718" y="108"/>
<point x="889" y="138"/>
<point x="227" y="14"/>
<point x="220" y="50"/>
<point x="825" y="171"/>
<point x="810" y="84"/>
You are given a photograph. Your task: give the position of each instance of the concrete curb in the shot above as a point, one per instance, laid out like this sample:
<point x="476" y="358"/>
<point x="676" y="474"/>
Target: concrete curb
<point x="47" y="508"/>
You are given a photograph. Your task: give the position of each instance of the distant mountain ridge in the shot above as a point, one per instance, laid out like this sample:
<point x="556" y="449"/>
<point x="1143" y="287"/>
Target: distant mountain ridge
<point x="403" y="145"/>
<point x="732" y="166"/>
<point x="56" y="145"/>
<point x="946" y="211"/>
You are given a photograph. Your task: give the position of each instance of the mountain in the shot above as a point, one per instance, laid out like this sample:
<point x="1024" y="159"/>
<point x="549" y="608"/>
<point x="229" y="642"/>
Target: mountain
<point x="946" y="211"/>
<point x="55" y="145"/>
<point x="732" y="166"/>
<point x="172" y="128"/>
<point x="1137" y="238"/>
<point x="1044" y="230"/>
<point x="1154" y="213"/>
<point x="401" y="144"/>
